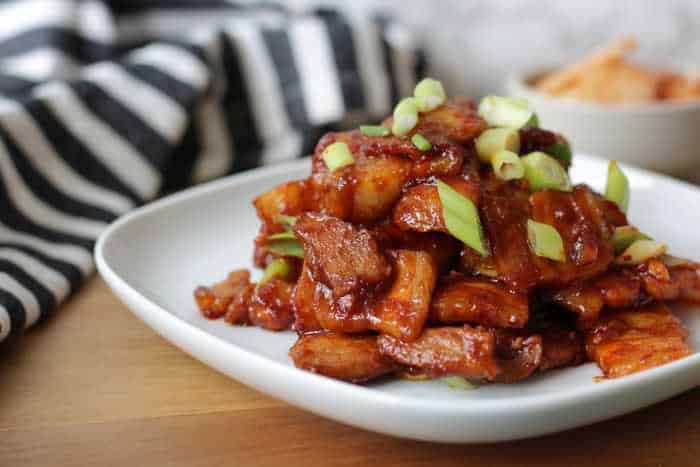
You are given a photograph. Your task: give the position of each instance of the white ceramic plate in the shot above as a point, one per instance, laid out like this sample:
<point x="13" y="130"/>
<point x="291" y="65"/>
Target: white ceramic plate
<point x="154" y="257"/>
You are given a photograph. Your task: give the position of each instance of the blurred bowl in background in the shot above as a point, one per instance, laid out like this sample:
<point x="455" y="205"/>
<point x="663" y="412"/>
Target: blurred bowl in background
<point x="662" y="136"/>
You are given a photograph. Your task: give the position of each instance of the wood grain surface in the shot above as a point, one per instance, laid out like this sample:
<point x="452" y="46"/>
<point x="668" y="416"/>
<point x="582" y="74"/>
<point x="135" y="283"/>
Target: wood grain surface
<point x="94" y="386"/>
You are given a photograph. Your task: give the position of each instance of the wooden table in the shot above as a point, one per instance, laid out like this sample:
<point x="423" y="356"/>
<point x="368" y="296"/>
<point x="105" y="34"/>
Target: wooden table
<point x="94" y="386"/>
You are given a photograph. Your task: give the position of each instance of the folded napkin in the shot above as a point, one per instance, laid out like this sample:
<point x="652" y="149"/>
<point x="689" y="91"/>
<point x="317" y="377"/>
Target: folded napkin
<point x="106" y="105"/>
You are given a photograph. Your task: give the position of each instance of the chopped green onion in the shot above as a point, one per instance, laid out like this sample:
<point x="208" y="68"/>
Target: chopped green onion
<point x="626" y="235"/>
<point x="430" y="94"/>
<point x="286" y="235"/>
<point x="640" y="251"/>
<point x="286" y="247"/>
<point x="285" y="221"/>
<point x="507" y="165"/>
<point x="505" y="111"/>
<point x="405" y="116"/>
<point x="493" y="140"/>
<point x="337" y="155"/>
<point x="458" y="383"/>
<point x="543" y="172"/>
<point x="545" y="241"/>
<point x="617" y="189"/>
<point x="374" y="130"/>
<point x="421" y="142"/>
<point x="534" y="121"/>
<point x="561" y="151"/>
<point x="461" y="217"/>
<point x="278" y="268"/>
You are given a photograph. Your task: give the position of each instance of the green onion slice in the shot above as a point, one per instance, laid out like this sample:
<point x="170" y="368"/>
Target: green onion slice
<point x="458" y="383"/>
<point x="405" y="116"/>
<point x="534" y="121"/>
<point x="505" y="111"/>
<point x="617" y="189"/>
<point x="545" y="241"/>
<point x="285" y="221"/>
<point x="286" y="247"/>
<point x="560" y="150"/>
<point x="286" y="235"/>
<point x="493" y="140"/>
<point x="626" y="235"/>
<point x="429" y="94"/>
<point x="374" y="130"/>
<point x="337" y="155"/>
<point x="279" y="268"/>
<point x="543" y="172"/>
<point x="421" y="142"/>
<point x="507" y="165"/>
<point x="461" y="217"/>
<point x="640" y="251"/>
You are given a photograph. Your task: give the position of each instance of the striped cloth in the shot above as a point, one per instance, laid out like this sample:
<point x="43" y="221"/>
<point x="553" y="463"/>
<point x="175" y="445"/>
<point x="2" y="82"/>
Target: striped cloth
<point x="105" y="105"/>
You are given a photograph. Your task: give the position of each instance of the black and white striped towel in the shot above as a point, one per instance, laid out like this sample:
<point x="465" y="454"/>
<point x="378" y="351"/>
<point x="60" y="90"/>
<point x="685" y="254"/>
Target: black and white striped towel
<point x="106" y="104"/>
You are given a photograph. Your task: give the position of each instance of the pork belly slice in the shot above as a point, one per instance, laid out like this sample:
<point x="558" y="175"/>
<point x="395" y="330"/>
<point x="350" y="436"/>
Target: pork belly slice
<point x="636" y="339"/>
<point x="456" y="120"/>
<point x="671" y="278"/>
<point x="561" y="347"/>
<point x="475" y="353"/>
<point x="663" y="279"/>
<point x="215" y="301"/>
<point x="613" y="289"/>
<point x="420" y="209"/>
<point x="271" y="305"/>
<point x="577" y="217"/>
<point x="462" y="299"/>
<point x="305" y="320"/>
<point x="366" y="191"/>
<point x="289" y="198"/>
<point x="460" y="351"/>
<point x="518" y="356"/>
<point x="403" y="310"/>
<point x="350" y="358"/>
<point x="342" y="256"/>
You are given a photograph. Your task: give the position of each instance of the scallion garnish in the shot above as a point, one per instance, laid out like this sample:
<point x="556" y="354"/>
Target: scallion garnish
<point x="421" y="142"/>
<point x="278" y="268"/>
<point x="507" y="165"/>
<point x="543" y="172"/>
<point x="626" y="235"/>
<point x="285" y="221"/>
<point x="458" y="383"/>
<point x="286" y="247"/>
<point x="405" y="116"/>
<point x="534" y="121"/>
<point x="337" y="156"/>
<point x="286" y="235"/>
<point x="374" y="130"/>
<point x="617" y="188"/>
<point x="560" y="150"/>
<point x="429" y="94"/>
<point x="461" y="217"/>
<point x="545" y="241"/>
<point x="505" y="111"/>
<point x="494" y="140"/>
<point x="640" y="251"/>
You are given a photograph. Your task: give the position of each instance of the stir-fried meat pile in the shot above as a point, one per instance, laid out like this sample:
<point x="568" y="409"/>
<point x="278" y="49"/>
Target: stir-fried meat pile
<point x="365" y="262"/>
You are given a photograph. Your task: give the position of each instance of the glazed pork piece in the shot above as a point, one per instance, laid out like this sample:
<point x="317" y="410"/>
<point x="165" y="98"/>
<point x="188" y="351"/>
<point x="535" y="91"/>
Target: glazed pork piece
<point x="632" y="340"/>
<point x="353" y="359"/>
<point x="449" y="241"/>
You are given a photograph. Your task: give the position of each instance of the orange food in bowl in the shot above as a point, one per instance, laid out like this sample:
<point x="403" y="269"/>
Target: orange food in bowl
<point x="606" y="76"/>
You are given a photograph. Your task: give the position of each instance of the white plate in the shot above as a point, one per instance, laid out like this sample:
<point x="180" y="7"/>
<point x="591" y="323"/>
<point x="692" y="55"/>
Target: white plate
<point x="154" y="257"/>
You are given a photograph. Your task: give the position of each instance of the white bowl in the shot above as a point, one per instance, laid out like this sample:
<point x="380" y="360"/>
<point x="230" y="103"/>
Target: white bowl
<point x="662" y="136"/>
